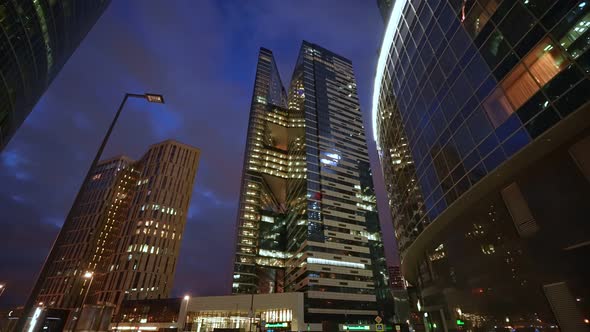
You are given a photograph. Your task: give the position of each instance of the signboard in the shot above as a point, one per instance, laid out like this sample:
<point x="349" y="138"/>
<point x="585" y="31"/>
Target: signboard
<point x="379" y="327"/>
<point x="378" y="319"/>
<point x="356" y="327"/>
<point x="276" y="325"/>
<point x="460" y="322"/>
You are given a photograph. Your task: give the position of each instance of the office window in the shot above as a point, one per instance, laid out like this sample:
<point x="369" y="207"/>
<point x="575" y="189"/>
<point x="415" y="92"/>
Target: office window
<point x="475" y="20"/>
<point x="516" y="24"/>
<point x="495" y="49"/>
<point x="545" y="61"/>
<point x="519" y="86"/>
<point x="574" y="37"/>
<point x="497" y="107"/>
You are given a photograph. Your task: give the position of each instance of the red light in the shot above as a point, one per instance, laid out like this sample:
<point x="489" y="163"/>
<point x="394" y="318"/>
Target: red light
<point x="477" y="291"/>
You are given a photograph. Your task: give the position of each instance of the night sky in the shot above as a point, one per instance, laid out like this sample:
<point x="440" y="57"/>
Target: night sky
<point x="201" y="55"/>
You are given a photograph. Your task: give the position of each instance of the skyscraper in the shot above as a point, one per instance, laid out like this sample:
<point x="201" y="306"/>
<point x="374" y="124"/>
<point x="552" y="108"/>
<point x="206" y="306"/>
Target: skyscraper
<point x="88" y="240"/>
<point x="307" y="218"/>
<point x="396" y="280"/>
<point x="481" y="117"/>
<point x="38" y="37"/>
<point x="126" y="231"/>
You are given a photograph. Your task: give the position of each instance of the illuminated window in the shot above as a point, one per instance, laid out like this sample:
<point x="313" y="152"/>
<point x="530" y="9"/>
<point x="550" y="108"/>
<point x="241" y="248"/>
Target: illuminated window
<point x="268" y="219"/>
<point x="573" y="39"/>
<point x="545" y="61"/>
<point x="519" y="86"/>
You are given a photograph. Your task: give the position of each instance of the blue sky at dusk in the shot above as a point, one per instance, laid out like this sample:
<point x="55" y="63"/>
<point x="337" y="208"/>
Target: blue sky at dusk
<point x="201" y="55"/>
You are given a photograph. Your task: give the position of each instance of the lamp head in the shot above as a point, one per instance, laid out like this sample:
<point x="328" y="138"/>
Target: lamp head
<point x="154" y="98"/>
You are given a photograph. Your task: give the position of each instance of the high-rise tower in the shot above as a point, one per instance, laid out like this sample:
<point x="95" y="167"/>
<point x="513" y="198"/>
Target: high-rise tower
<point x="308" y="218"/>
<point x="88" y="240"/>
<point x="481" y="116"/>
<point x="126" y="231"/>
<point x="38" y="37"/>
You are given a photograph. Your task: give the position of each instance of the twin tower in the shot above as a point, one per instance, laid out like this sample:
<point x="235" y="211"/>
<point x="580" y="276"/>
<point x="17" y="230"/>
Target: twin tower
<point x="307" y="219"/>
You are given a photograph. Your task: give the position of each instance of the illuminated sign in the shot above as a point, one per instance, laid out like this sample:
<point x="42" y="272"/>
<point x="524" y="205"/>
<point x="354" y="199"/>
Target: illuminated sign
<point x="356" y="327"/>
<point x="275" y="325"/>
<point x="460" y="322"/>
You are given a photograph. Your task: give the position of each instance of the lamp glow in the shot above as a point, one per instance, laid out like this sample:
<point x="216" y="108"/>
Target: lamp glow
<point x="154" y="98"/>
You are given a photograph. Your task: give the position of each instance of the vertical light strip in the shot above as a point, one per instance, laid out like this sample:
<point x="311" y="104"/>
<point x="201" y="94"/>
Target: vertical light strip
<point x="396" y="15"/>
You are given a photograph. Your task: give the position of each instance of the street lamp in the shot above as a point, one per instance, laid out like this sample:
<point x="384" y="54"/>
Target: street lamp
<point x="2" y="288"/>
<point x="150" y="97"/>
<point x="154" y="98"/>
<point x="183" y="315"/>
<point x="88" y="276"/>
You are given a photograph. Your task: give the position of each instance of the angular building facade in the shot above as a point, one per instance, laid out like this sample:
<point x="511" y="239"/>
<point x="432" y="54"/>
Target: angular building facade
<point x="308" y="218"/>
<point x="482" y="121"/>
<point x="88" y="241"/>
<point x="38" y="37"/>
<point x="126" y="231"/>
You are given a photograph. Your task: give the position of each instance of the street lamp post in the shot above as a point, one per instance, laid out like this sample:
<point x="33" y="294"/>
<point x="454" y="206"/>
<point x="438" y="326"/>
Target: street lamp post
<point x="251" y="313"/>
<point x="150" y="97"/>
<point x="183" y="320"/>
<point x="87" y="275"/>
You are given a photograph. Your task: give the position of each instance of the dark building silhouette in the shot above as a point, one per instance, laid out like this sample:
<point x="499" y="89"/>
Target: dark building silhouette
<point x="38" y="37"/>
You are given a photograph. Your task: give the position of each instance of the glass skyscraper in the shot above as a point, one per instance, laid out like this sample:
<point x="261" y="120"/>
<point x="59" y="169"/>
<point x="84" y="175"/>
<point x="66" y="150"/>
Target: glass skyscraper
<point x="482" y="121"/>
<point x="38" y="37"/>
<point x="307" y="218"/>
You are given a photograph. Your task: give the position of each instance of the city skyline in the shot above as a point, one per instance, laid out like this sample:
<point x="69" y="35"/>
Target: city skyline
<point x="402" y="165"/>
<point x="214" y="203"/>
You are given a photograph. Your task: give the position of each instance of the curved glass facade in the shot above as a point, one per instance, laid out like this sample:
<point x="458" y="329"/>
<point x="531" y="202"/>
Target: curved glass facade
<point x="473" y="100"/>
<point x="38" y="37"/>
